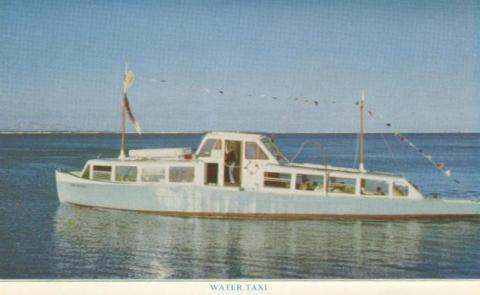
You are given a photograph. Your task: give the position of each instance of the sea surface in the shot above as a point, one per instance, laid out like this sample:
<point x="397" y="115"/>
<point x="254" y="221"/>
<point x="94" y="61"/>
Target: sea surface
<point x="43" y="239"/>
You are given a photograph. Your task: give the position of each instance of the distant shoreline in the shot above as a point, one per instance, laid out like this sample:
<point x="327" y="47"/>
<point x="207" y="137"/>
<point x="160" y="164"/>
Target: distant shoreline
<point x="201" y="132"/>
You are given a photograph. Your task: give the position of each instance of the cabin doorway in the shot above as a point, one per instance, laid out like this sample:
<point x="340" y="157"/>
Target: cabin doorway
<point x="211" y="171"/>
<point x="232" y="163"/>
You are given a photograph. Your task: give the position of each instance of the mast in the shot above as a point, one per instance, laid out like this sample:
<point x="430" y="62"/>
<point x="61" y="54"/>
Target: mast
<point x="362" y="131"/>
<point x="124" y="119"/>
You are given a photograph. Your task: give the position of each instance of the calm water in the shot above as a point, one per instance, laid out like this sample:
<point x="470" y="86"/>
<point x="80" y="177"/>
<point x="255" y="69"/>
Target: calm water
<point x="39" y="238"/>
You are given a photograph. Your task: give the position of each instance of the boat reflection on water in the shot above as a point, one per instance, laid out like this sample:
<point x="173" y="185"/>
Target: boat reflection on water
<point x="118" y="244"/>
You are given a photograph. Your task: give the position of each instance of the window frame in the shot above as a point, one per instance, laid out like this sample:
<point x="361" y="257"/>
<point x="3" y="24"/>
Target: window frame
<point x="86" y="173"/>
<point x="96" y="172"/>
<point x="385" y="188"/>
<point x="159" y="178"/>
<point x="312" y="178"/>
<point x="126" y="177"/>
<point x="339" y="186"/>
<point x="192" y="168"/>
<point x="401" y="184"/>
<point x="278" y="180"/>
<point x="257" y="150"/>
<point x="214" y="146"/>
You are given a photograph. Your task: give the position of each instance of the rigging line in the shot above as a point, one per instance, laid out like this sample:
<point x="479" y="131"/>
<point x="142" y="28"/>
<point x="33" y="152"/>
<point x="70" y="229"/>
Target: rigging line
<point x="298" y="151"/>
<point x="464" y="189"/>
<point x="429" y="159"/>
<point x="395" y="160"/>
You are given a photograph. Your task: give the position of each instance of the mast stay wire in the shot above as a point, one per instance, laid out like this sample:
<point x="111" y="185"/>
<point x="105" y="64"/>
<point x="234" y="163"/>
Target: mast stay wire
<point x="394" y="158"/>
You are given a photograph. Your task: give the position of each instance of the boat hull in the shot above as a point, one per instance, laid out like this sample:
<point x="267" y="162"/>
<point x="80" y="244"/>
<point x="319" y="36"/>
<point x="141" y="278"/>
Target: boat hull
<point x="211" y="201"/>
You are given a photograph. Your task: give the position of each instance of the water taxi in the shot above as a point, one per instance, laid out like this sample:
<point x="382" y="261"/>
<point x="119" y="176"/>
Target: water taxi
<point x="245" y="175"/>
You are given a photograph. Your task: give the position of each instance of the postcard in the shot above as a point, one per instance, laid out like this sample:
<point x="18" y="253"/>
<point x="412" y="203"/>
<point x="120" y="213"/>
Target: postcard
<point x="260" y="147"/>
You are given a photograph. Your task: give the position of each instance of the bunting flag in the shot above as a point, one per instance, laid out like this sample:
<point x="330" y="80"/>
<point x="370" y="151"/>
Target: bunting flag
<point x="439" y="165"/>
<point x="315" y="102"/>
<point x="127" y="108"/>
<point x="221" y="91"/>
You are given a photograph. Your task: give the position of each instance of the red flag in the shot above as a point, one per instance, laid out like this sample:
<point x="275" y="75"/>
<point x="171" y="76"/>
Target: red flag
<point x="126" y="105"/>
<point x="439" y="165"/>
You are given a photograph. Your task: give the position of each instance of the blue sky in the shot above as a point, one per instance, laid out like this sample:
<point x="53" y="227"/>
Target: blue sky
<point x="62" y="65"/>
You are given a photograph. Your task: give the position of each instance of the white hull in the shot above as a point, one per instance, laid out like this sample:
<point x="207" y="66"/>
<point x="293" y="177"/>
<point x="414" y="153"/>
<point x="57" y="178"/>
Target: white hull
<point x="216" y="201"/>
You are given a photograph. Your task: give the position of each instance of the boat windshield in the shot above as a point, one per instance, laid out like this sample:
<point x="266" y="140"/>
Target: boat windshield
<point x="273" y="149"/>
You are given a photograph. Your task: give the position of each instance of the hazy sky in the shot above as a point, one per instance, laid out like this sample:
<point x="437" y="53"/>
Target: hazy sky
<point x="62" y="64"/>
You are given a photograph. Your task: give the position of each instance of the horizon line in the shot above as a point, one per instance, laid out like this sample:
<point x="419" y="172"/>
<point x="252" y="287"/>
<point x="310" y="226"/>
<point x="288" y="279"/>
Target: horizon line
<point x="4" y="132"/>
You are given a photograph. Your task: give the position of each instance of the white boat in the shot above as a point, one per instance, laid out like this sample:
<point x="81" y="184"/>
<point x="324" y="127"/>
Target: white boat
<point x="245" y="175"/>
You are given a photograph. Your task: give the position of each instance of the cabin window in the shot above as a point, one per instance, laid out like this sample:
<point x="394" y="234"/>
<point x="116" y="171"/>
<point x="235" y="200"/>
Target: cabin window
<point x="126" y="173"/>
<point x="101" y="172"/>
<point x="86" y="172"/>
<point x="373" y="187"/>
<point x="181" y="174"/>
<point x="153" y="174"/>
<point x="275" y="179"/>
<point x="254" y="152"/>
<point x="400" y="189"/>
<point x="273" y="149"/>
<point x="309" y="182"/>
<point x="209" y="145"/>
<point x="341" y="185"/>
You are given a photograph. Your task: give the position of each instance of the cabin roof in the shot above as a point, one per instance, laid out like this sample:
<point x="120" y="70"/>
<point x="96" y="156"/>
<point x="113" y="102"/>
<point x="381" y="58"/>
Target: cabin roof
<point x="234" y="135"/>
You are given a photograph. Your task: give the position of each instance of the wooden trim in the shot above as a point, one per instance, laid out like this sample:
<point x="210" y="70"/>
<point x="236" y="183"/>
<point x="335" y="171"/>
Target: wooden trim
<point x="275" y="216"/>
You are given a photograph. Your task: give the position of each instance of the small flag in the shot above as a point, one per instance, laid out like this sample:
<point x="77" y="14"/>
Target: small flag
<point x="448" y="173"/>
<point x="128" y="80"/>
<point x="428" y="157"/>
<point x="439" y="165"/>
<point x="126" y="105"/>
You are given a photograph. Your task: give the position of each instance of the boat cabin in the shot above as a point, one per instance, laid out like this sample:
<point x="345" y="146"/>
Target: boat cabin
<point x="246" y="162"/>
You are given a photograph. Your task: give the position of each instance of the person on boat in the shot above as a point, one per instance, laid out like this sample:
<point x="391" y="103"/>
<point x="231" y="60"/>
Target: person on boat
<point x="305" y="185"/>
<point x="379" y="191"/>
<point x="230" y="159"/>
